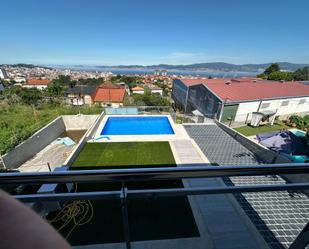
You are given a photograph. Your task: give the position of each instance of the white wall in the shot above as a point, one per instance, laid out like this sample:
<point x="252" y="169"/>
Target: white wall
<point x="244" y="109"/>
<point x="157" y="91"/>
<point x="1" y="74"/>
<point x="39" y="87"/>
<point x="78" y="122"/>
<point x="138" y="91"/>
<point x="293" y="107"/>
<point x="39" y="140"/>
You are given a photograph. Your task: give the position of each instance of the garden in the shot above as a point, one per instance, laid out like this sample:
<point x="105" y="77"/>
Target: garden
<point x="294" y="121"/>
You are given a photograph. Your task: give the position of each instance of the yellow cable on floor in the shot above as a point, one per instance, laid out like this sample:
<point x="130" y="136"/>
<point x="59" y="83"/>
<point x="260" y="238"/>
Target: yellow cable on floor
<point x="76" y="212"/>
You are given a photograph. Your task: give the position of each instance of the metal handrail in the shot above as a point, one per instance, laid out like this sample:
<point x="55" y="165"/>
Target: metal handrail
<point x="147" y="174"/>
<point x="144" y="193"/>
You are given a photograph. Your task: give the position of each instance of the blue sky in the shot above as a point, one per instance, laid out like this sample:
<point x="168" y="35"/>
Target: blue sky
<point x="113" y="32"/>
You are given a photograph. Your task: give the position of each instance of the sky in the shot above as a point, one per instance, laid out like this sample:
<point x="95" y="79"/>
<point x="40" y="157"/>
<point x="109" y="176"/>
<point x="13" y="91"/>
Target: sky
<point x="146" y="32"/>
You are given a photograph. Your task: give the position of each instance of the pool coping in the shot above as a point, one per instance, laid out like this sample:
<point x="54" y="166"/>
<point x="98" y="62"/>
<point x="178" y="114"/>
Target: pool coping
<point x="178" y="132"/>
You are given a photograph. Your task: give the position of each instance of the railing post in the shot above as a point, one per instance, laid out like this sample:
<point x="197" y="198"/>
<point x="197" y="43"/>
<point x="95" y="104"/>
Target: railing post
<point x="49" y="168"/>
<point x="125" y="216"/>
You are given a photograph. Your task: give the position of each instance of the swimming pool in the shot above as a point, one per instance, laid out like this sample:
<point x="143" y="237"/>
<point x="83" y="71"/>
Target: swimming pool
<point x="298" y="132"/>
<point x="155" y="125"/>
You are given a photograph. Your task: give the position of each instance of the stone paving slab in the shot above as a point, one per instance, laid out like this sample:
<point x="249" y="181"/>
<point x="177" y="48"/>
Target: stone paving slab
<point x="54" y="154"/>
<point x="278" y="216"/>
<point x="216" y="215"/>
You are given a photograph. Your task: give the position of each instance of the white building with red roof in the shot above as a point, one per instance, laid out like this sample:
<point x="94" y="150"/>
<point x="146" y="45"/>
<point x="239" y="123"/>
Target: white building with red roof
<point x="37" y="83"/>
<point x="109" y="94"/>
<point x="236" y="99"/>
<point x="138" y="90"/>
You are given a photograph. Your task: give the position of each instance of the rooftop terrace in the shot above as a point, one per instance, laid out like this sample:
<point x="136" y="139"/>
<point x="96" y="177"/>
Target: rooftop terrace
<point x="204" y="186"/>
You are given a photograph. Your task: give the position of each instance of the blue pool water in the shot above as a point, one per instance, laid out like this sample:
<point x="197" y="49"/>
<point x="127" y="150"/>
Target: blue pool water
<point x="298" y="133"/>
<point x="137" y="126"/>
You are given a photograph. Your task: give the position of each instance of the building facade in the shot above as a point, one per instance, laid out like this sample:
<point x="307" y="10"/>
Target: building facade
<point x="37" y="83"/>
<point x="80" y="95"/>
<point x="109" y="95"/>
<point x="3" y="74"/>
<point x="234" y="100"/>
<point x="138" y="90"/>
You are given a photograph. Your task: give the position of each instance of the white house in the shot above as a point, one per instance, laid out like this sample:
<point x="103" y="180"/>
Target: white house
<point x="19" y="79"/>
<point x="138" y="90"/>
<point x="37" y="83"/>
<point x="155" y="89"/>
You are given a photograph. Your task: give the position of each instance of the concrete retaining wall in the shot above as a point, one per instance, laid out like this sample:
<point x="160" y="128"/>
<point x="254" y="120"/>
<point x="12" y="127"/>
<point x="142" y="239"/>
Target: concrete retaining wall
<point x="261" y="152"/>
<point x="266" y="155"/>
<point x="39" y="140"/>
<point x="78" y="122"/>
<point x="88" y="135"/>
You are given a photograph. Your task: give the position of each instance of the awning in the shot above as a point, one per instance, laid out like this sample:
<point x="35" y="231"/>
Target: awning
<point x="266" y="113"/>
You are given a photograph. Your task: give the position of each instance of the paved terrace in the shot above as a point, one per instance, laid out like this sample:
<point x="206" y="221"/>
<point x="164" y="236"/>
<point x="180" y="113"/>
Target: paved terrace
<point x="54" y="154"/>
<point x="278" y="216"/>
<point x="221" y="222"/>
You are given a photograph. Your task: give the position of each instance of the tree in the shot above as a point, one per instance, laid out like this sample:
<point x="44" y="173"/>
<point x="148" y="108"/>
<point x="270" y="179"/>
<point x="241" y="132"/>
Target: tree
<point x="65" y="79"/>
<point x="302" y="74"/>
<point x="116" y="78"/>
<point x="262" y="76"/>
<point x="55" y="89"/>
<point x="90" y="81"/>
<point x="150" y="99"/>
<point x="286" y="76"/>
<point x="31" y="96"/>
<point x="272" y="68"/>
<point x="131" y="81"/>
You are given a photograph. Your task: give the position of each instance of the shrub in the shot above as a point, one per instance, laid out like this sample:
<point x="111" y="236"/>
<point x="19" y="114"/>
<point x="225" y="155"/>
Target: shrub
<point x="301" y="122"/>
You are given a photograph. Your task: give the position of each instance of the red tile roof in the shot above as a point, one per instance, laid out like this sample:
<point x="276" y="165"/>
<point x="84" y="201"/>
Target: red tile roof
<point x="105" y="94"/>
<point x="137" y="88"/>
<point x="248" y="89"/>
<point x="110" y="85"/>
<point x="38" y="82"/>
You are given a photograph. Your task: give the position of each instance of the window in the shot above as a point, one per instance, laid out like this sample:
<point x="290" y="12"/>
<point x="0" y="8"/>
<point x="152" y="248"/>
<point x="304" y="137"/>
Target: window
<point x="265" y="105"/>
<point x="302" y="101"/>
<point x="285" y="103"/>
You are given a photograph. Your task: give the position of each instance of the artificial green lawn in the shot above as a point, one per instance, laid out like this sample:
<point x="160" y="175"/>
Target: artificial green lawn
<point x="125" y="154"/>
<point x="150" y="218"/>
<point x="250" y="131"/>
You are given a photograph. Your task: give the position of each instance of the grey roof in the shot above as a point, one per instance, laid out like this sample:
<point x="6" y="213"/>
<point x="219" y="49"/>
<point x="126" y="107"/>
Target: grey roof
<point x="278" y="216"/>
<point x="81" y="90"/>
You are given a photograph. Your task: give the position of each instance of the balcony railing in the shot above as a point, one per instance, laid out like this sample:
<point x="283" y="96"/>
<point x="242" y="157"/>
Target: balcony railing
<point x="125" y="176"/>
